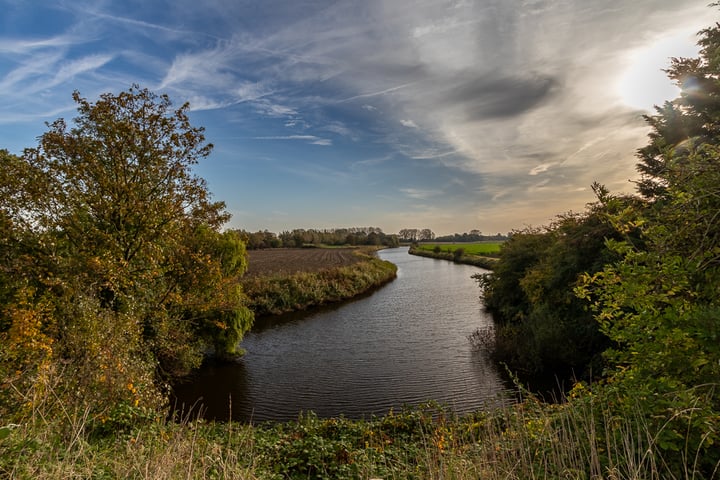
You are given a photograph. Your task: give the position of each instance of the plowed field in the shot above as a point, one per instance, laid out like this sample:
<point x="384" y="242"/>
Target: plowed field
<point x="293" y="260"/>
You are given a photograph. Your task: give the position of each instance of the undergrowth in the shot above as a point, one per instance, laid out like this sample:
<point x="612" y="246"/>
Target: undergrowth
<point x="581" y="438"/>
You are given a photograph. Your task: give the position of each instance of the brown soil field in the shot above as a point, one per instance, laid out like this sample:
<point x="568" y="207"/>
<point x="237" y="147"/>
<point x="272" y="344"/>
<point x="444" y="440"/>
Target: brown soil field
<point x="293" y="260"/>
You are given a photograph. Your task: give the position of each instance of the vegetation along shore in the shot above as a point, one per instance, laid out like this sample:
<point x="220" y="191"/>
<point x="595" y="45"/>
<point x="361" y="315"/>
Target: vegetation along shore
<point x="286" y="280"/>
<point x="483" y="255"/>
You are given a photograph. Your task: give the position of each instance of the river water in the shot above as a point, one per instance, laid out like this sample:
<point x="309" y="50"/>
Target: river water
<point x="404" y="344"/>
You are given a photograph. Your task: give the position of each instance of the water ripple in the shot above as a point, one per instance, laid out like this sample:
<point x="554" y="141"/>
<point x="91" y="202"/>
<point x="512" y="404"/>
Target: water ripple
<point x="403" y="345"/>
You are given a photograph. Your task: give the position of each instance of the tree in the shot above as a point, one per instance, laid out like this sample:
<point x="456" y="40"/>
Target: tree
<point x="120" y="227"/>
<point x="692" y="118"/>
<point x="659" y="305"/>
<point x="660" y="302"/>
<point x="542" y="328"/>
<point x="408" y="234"/>
<point x="426" y="234"/>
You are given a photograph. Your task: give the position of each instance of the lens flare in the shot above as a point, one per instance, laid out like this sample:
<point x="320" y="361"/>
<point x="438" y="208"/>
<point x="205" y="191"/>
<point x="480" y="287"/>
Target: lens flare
<point x="644" y="84"/>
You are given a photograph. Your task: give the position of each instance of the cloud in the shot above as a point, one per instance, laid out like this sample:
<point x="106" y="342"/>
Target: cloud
<point x="544" y="167"/>
<point x="27" y="46"/>
<point x="442" y="27"/>
<point x="376" y="94"/>
<point x="311" y="139"/>
<point x="251" y="91"/>
<point x="33" y="75"/>
<point x="419" y="194"/>
<point x="72" y="68"/>
<point x="13" y="118"/>
<point x="512" y="98"/>
<point x="28" y="70"/>
<point x="488" y="97"/>
<point x="143" y="25"/>
<point x="274" y="110"/>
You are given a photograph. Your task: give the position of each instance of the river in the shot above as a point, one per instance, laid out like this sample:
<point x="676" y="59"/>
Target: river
<point x="404" y="344"/>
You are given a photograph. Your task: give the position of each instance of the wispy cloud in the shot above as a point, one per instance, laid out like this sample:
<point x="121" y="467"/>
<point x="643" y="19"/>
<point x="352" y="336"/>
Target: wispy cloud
<point x="144" y="25"/>
<point x="544" y="167"/>
<point x="28" y="46"/>
<point x="34" y="74"/>
<point x="270" y="109"/>
<point x="376" y="94"/>
<point x="86" y="64"/>
<point x="311" y="139"/>
<point x="28" y="70"/>
<point x="516" y="102"/>
<point x="419" y="194"/>
<point x="37" y="116"/>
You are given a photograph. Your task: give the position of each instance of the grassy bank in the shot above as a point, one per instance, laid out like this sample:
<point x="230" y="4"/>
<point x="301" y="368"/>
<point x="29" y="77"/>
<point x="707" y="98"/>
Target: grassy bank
<point x="281" y="293"/>
<point x="581" y="439"/>
<point x="453" y="253"/>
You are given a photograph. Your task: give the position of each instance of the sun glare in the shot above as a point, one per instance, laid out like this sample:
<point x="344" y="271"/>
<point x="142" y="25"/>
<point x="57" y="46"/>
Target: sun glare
<point x="643" y="84"/>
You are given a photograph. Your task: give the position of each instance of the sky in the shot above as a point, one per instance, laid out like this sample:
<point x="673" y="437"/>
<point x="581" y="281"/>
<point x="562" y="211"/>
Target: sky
<point x="451" y="115"/>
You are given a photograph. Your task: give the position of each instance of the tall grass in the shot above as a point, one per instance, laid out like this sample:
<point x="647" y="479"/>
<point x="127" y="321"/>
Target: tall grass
<point x="582" y="438"/>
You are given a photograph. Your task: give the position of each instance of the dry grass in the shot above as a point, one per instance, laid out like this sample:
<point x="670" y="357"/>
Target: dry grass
<point x="580" y="439"/>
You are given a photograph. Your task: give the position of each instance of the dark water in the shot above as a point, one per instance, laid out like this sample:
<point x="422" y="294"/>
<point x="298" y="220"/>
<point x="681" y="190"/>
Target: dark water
<point x="403" y="345"/>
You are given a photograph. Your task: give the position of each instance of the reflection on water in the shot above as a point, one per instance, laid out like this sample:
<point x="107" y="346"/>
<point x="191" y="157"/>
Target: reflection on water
<point x="404" y="344"/>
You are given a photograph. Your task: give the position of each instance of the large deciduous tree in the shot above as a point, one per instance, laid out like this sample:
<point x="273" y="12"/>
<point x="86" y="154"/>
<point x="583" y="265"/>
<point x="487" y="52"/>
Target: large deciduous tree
<point x="107" y="223"/>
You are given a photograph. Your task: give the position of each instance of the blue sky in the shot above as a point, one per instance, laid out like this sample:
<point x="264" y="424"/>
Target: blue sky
<point x="449" y="115"/>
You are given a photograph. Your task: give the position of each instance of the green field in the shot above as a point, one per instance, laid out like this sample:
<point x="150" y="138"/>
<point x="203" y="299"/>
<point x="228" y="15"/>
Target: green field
<point x="484" y="248"/>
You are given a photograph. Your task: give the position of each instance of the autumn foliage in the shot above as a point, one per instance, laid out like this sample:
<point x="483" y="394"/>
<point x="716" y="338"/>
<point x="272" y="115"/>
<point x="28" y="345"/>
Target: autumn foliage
<point x="114" y="274"/>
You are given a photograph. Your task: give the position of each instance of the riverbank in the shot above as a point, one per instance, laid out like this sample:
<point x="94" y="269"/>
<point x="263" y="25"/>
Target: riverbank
<point x="277" y="293"/>
<point x="583" y="438"/>
<point x="465" y="259"/>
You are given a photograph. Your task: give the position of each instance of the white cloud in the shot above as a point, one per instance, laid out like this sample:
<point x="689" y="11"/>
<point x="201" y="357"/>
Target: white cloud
<point x="251" y="91"/>
<point x="519" y="100"/>
<point x="28" y="70"/>
<point x="311" y="139"/>
<point x="274" y="110"/>
<point x="419" y="194"/>
<point x="544" y="167"/>
<point x="377" y="93"/>
<point x="72" y="68"/>
<point x="28" y="46"/>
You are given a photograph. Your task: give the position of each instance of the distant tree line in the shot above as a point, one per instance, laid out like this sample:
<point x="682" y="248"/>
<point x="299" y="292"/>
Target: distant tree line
<point x="301" y="237"/>
<point x="472" y="236"/>
<point x="416" y="235"/>
<point x="335" y="236"/>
